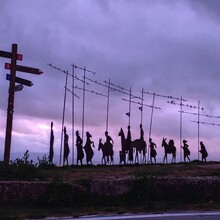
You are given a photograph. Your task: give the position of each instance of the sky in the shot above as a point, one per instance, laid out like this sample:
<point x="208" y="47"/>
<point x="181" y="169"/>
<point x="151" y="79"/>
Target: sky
<point x="167" y="47"/>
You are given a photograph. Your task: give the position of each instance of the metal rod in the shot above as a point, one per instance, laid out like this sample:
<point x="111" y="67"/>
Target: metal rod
<point x="151" y="122"/>
<point x="164" y="96"/>
<point x="181" y="121"/>
<point x="84" y="95"/>
<point x="73" y="113"/>
<point x="198" y="126"/>
<point x="108" y="105"/>
<point x="142" y="105"/>
<point x="63" y="118"/>
<point x="206" y="123"/>
<point x="129" y="118"/>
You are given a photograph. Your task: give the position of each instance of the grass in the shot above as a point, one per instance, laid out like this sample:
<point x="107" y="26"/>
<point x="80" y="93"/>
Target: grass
<point x="141" y="199"/>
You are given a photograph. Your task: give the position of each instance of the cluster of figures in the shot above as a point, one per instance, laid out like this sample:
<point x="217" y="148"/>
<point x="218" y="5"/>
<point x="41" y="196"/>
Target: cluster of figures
<point x="128" y="149"/>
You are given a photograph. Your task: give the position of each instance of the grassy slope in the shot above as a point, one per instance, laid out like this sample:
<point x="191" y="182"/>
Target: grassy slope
<point x="85" y="173"/>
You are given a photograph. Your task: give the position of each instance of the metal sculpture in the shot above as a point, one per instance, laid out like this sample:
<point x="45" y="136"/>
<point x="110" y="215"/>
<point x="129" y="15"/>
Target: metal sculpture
<point x="153" y="152"/>
<point x="80" y="153"/>
<point x="51" y="152"/>
<point x="88" y="149"/>
<point x="169" y="149"/>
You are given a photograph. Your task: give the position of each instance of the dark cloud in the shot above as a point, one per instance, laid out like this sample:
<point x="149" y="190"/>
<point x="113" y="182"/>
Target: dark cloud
<point x="205" y="8"/>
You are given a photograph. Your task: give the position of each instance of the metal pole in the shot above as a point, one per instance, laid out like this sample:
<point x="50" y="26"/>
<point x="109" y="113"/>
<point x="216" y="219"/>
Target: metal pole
<point x="10" y="109"/>
<point x="83" y="113"/>
<point x="151" y="122"/>
<point x="64" y="108"/>
<point x="198" y="125"/>
<point x="129" y="118"/>
<point x="73" y="113"/>
<point x="142" y="102"/>
<point x="108" y="105"/>
<point x="181" y="117"/>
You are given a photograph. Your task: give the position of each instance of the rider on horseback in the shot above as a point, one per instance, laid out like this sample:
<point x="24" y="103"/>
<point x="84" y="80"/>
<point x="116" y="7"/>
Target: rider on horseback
<point x="109" y="140"/>
<point x="141" y="133"/>
<point x="109" y="146"/>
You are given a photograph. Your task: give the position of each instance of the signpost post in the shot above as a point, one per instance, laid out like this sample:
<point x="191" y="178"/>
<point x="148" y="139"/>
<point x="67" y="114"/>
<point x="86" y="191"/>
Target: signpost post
<point x="13" y="67"/>
<point x="10" y="109"/>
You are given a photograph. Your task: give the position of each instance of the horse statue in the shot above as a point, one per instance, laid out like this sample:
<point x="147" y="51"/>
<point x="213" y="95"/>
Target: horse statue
<point x="140" y="147"/>
<point x="138" y="144"/>
<point x="107" y="153"/>
<point x="169" y="149"/>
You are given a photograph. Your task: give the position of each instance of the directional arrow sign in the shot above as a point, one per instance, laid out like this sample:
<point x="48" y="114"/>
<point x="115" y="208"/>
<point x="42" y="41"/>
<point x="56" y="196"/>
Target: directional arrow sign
<point x="9" y="55"/>
<point x="20" y="80"/>
<point x="18" y="88"/>
<point x="25" y="69"/>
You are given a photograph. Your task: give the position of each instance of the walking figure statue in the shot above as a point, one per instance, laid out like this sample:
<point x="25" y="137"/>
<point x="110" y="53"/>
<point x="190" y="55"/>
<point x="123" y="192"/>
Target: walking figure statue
<point x="51" y="153"/>
<point x="123" y="151"/>
<point x="203" y="151"/>
<point x="153" y="152"/>
<point x="80" y="153"/>
<point x="186" y="151"/>
<point x="66" y="147"/>
<point x="129" y="147"/>
<point x="88" y="149"/>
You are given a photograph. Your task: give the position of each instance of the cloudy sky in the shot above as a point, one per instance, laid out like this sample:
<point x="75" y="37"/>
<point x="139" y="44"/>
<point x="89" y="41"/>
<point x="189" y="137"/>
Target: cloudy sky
<point x="168" y="47"/>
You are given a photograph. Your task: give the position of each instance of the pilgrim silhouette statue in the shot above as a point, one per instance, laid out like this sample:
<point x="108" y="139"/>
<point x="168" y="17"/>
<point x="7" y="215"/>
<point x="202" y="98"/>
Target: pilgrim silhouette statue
<point x="186" y="151"/>
<point x="88" y="148"/>
<point x="153" y="152"/>
<point x="51" y="152"/>
<point x="169" y="149"/>
<point x="104" y="152"/>
<point x="122" y="152"/>
<point x="203" y="151"/>
<point x="109" y="148"/>
<point x="79" y="148"/>
<point x="66" y="147"/>
<point x="129" y="147"/>
<point x="140" y="147"/>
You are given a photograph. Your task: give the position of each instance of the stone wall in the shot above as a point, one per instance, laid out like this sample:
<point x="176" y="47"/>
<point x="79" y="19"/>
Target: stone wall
<point x="206" y="187"/>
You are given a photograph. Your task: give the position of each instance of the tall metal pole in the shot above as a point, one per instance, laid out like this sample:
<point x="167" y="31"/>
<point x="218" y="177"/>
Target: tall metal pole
<point x="64" y="109"/>
<point x="108" y="105"/>
<point x="10" y="109"/>
<point x="129" y="118"/>
<point x="181" y="119"/>
<point x="73" y="112"/>
<point x="198" y="125"/>
<point x="84" y="93"/>
<point x="151" y="122"/>
<point x="142" y="105"/>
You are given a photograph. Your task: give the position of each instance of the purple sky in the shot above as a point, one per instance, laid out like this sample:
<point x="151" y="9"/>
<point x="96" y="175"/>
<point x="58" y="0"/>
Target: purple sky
<point x="164" y="46"/>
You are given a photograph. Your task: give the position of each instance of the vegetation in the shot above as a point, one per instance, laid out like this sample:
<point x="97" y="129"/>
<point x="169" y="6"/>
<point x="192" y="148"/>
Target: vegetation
<point x="59" y="200"/>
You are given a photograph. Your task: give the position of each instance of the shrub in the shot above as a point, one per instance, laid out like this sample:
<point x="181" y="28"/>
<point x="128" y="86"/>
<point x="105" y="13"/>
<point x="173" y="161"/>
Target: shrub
<point x="44" y="162"/>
